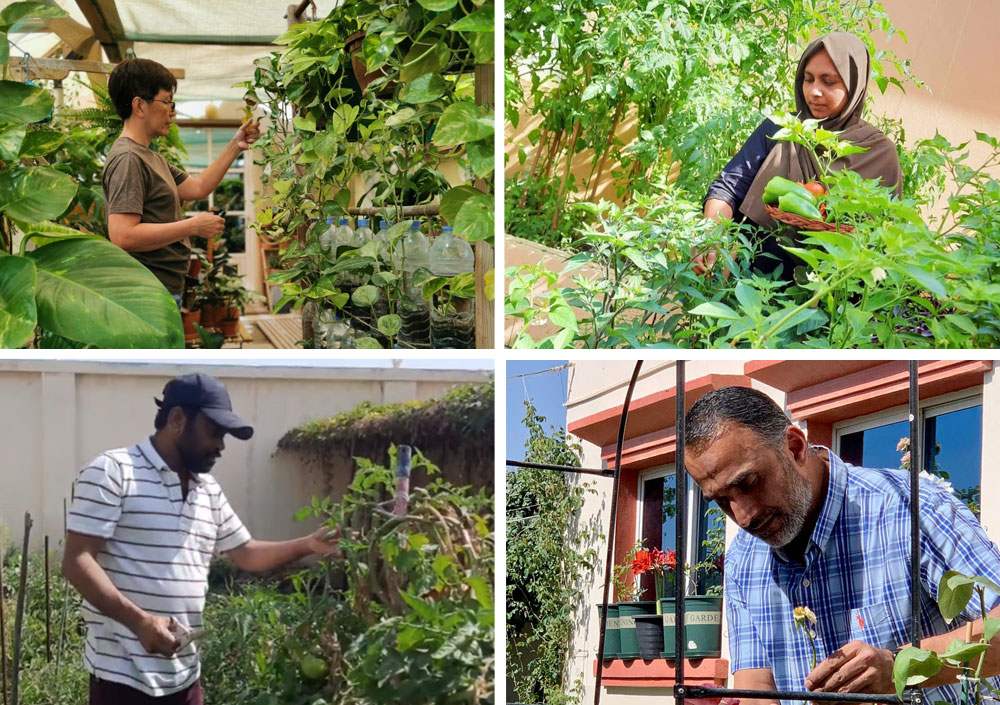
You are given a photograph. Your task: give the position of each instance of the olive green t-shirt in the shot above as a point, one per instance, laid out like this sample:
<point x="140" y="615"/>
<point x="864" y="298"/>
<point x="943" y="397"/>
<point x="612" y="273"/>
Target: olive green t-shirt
<point x="141" y="182"/>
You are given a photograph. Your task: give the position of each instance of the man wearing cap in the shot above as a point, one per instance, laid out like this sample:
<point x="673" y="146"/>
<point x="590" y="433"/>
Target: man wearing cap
<point x="142" y="529"/>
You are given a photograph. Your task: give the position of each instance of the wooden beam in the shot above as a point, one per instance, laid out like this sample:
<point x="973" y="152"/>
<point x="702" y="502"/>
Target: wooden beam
<point x="102" y="15"/>
<point x="58" y="69"/>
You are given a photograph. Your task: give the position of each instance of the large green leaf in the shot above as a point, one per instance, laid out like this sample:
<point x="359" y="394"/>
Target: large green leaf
<point x="954" y="592"/>
<point x="714" y="309"/>
<point x="38" y="143"/>
<point x="463" y="122"/>
<point x="478" y="21"/>
<point x="389" y="324"/>
<point x="480" y="156"/>
<point x="94" y="292"/>
<point x="424" y="89"/>
<point x="481" y="44"/>
<point x="913" y="666"/>
<point x="21" y="103"/>
<point x="45" y="232"/>
<point x="365" y="295"/>
<point x="475" y="222"/>
<point x="453" y="199"/>
<point x="427" y="55"/>
<point x="36" y="193"/>
<point x="19" y="11"/>
<point x="437" y="5"/>
<point x="962" y="652"/>
<point x="18" y="316"/>
<point x="11" y="138"/>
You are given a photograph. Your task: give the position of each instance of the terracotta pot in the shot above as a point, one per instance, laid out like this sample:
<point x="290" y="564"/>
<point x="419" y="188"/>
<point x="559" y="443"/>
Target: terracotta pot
<point x="190" y="318"/>
<point x="229" y="327"/>
<point x="353" y="48"/>
<point x="210" y="315"/>
<point x="194" y="268"/>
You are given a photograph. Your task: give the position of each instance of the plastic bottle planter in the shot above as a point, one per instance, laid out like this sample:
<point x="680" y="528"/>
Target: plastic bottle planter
<point x="702" y="627"/>
<point x="453" y="330"/>
<point x="627" y="612"/>
<point x="612" y="639"/>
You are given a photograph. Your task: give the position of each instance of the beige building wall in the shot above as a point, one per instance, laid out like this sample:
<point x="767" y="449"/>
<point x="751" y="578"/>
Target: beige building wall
<point x="57" y="416"/>
<point x="599" y="384"/>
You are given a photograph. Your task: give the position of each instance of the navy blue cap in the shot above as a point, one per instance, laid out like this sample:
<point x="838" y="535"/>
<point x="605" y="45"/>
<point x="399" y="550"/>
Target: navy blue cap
<point x="207" y="394"/>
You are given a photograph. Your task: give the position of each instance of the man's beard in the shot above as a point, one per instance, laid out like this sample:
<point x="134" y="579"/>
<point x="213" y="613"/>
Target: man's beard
<point x="799" y="500"/>
<point x="196" y="463"/>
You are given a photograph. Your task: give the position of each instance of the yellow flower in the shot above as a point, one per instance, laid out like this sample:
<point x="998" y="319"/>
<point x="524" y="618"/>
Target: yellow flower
<point x="803" y="614"/>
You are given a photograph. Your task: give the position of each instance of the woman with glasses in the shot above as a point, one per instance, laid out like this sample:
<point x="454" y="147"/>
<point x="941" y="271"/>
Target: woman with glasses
<point x="143" y="193"/>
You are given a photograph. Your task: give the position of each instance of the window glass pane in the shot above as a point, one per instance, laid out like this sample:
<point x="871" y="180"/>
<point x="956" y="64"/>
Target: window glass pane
<point x="659" y="525"/>
<point x="875" y="447"/>
<point x="196" y="141"/>
<point x="954" y="443"/>
<point x="711" y="549"/>
<point x="952" y="449"/>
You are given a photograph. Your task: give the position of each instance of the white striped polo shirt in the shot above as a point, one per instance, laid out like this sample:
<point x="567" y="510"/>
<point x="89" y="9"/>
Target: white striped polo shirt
<point x="157" y="553"/>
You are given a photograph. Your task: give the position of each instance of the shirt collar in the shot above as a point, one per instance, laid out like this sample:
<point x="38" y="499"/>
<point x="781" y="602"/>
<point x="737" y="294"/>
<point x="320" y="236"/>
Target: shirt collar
<point x="148" y="451"/>
<point x="836" y="489"/>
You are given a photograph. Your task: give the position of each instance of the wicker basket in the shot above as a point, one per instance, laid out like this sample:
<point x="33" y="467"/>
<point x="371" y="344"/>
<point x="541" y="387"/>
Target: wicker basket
<point x="800" y="223"/>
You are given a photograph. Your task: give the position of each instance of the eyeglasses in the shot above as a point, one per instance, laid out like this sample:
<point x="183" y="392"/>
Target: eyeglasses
<point x="171" y="105"/>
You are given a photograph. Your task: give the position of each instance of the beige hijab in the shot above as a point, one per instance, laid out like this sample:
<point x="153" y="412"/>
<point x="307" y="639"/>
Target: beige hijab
<point x="850" y="57"/>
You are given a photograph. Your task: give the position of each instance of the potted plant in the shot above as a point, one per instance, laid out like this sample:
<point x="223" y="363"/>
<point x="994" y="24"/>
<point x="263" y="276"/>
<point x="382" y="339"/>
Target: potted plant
<point x="233" y="298"/>
<point x="629" y="604"/>
<point x="453" y="321"/>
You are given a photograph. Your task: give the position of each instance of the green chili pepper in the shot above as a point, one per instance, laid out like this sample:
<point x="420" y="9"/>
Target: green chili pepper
<point x="780" y="186"/>
<point x="793" y="203"/>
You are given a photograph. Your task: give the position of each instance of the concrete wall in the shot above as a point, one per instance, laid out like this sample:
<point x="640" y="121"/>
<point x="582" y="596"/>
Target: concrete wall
<point x="55" y="416"/>
<point x="595" y="385"/>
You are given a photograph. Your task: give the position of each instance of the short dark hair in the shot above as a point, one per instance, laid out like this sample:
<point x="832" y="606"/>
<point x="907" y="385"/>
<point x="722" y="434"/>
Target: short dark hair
<point x="160" y="421"/>
<point x="138" y="77"/>
<point x="742" y="405"/>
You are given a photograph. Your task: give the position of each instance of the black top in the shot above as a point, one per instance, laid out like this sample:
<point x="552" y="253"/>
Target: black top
<point x="734" y="181"/>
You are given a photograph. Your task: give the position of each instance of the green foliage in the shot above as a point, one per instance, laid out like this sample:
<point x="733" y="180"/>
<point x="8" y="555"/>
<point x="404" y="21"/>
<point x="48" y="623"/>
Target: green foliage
<point x="701" y="73"/>
<point x="913" y="666"/>
<point x="460" y="422"/>
<point x="897" y="280"/>
<point x="65" y="284"/>
<point x="549" y="554"/>
<point x="56" y="677"/>
<point x="417" y="112"/>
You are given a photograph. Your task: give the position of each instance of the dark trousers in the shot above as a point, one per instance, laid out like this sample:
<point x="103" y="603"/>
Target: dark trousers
<point x="109" y="693"/>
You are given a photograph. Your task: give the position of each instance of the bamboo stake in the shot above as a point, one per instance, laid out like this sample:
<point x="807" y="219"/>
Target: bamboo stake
<point x="19" y="615"/>
<point x="539" y="148"/>
<point x="65" y="605"/>
<point x="48" y="610"/>
<point x="3" y="625"/>
<point x="596" y="178"/>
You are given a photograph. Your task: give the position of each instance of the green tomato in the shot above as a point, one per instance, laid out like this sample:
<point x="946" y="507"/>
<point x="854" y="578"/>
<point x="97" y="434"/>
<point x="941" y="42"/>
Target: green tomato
<point x="314" y="668"/>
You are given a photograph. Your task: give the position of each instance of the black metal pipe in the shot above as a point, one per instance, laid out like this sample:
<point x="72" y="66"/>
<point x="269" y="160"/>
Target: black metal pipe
<point x="611" y="530"/>
<point x="916" y="464"/>
<point x="609" y="472"/>
<point x="700" y="691"/>
<point x="680" y="476"/>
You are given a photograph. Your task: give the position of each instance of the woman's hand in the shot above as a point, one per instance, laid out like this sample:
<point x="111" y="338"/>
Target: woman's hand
<point x="248" y="133"/>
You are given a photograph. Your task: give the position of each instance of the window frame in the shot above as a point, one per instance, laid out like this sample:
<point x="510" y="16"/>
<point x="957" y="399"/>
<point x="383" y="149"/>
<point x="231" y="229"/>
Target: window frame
<point x="693" y="498"/>
<point x="929" y="408"/>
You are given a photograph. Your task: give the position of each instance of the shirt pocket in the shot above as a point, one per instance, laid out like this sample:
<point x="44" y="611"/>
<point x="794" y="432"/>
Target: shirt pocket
<point x="870" y="624"/>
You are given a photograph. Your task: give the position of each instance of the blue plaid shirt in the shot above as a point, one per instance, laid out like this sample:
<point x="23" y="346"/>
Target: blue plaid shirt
<point x="856" y="576"/>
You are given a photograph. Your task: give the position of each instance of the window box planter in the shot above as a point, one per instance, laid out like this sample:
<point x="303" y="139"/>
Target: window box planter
<point x="612" y="638"/>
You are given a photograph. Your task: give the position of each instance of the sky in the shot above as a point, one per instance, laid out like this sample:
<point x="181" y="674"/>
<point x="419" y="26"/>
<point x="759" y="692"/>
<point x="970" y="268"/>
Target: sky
<point x="548" y="391"/>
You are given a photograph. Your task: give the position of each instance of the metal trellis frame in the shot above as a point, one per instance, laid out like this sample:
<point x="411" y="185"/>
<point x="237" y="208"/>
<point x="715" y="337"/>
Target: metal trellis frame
<point x="681" y="690"/>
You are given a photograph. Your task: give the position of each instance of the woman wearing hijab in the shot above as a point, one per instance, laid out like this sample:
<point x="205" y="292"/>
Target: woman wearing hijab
<point x="831" y="83"/>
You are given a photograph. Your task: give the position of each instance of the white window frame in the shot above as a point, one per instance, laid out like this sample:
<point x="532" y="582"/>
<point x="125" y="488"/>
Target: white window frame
<point x="692" y="542"/>
<point x="927" y="408"/>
